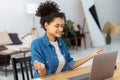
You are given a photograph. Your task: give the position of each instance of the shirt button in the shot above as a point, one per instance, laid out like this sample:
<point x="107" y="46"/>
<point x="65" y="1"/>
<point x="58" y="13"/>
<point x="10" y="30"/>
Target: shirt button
<point x="47" y="62"/>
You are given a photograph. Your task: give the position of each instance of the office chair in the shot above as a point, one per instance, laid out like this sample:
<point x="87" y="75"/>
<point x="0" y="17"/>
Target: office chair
<point x="22" y="65"/>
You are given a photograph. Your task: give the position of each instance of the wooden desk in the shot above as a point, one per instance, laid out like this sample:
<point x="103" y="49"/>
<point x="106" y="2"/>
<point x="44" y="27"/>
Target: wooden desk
<point x="76" y="72"/>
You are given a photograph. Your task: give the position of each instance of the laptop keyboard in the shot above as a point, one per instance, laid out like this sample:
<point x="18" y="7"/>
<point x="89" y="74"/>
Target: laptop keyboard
<point x="81" y="77"/>
<point x="77" y="78"/>
<point x="86" y="78"/>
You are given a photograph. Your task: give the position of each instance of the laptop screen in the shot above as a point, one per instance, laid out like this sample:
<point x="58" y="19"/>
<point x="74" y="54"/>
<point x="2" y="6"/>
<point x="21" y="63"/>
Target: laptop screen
<point x="103" y="66"/>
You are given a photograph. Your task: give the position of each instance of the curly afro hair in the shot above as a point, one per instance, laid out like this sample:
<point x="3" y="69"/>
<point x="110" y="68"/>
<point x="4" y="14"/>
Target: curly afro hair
<point x="48" y="11"/>
<point x="47" y="8"/>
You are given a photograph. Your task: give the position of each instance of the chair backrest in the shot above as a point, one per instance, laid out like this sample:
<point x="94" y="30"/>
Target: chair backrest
<point x="24" y="66"/>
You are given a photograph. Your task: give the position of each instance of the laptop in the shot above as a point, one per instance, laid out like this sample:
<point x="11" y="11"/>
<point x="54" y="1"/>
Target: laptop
<point x="102" y="67"/>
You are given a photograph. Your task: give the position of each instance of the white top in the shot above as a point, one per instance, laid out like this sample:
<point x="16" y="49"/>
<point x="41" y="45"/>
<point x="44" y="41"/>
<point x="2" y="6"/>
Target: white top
<point x="59" y="55"/>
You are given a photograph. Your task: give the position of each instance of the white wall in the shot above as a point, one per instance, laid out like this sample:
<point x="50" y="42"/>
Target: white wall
<point x="108" y="10"/>
<point x="13" y="16"/>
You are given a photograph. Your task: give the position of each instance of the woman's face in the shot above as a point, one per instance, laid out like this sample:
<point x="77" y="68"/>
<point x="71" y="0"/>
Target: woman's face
<point x="55" y="28"/>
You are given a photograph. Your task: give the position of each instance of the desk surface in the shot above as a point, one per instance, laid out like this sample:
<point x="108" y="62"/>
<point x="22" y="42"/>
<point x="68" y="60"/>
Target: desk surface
<point x="76" y="72"/>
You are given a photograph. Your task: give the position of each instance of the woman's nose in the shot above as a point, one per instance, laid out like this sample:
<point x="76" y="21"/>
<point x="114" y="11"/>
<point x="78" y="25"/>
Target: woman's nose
<point x="61" y="28"/>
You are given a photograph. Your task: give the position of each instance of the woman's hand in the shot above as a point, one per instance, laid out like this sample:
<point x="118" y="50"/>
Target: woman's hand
<point x="40" y="67"/>
<point x="100" y="51"/>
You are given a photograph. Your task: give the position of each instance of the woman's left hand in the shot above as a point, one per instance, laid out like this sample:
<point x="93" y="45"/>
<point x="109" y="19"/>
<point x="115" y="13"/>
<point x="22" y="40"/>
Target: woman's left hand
<point x="100" y="51"/>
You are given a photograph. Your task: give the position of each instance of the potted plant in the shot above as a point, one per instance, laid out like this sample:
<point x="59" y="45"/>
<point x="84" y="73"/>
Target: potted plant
<point x="65" y="34"/>
<point x="110" y="29"/>
<point x="107" y="29"/>
<point x="68" y="32"/>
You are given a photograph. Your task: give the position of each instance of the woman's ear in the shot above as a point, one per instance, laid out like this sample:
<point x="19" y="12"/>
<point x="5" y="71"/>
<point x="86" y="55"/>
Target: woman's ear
<point x="46" y="25"/>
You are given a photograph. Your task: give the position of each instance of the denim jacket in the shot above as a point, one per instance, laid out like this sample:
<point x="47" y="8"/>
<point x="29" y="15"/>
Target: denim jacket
<point x="44" y="52"/>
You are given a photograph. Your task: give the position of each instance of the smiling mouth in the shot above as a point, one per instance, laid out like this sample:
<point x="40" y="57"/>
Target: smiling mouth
<point x="59" y="33"/>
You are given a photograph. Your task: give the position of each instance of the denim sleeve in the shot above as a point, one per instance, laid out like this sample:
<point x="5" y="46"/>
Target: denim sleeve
<point x="70" y="61"/>
<point x="36" y="53"/>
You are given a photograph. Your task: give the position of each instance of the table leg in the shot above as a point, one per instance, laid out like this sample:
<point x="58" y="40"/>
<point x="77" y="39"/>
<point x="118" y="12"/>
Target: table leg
<point x="24" y="54"/>
<point x="5" y="65"/>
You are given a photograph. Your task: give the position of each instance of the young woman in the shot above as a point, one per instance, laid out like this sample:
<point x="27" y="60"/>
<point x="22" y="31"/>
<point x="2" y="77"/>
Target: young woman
<point x="49" y="53"/>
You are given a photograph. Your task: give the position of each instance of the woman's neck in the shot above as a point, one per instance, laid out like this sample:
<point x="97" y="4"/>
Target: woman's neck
<point x="50" y="37"/>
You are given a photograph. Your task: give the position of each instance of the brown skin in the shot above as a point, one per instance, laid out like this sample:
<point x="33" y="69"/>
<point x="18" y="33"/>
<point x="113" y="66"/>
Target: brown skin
<point x="53" y="30"/>
<point x="85" y="59"/>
